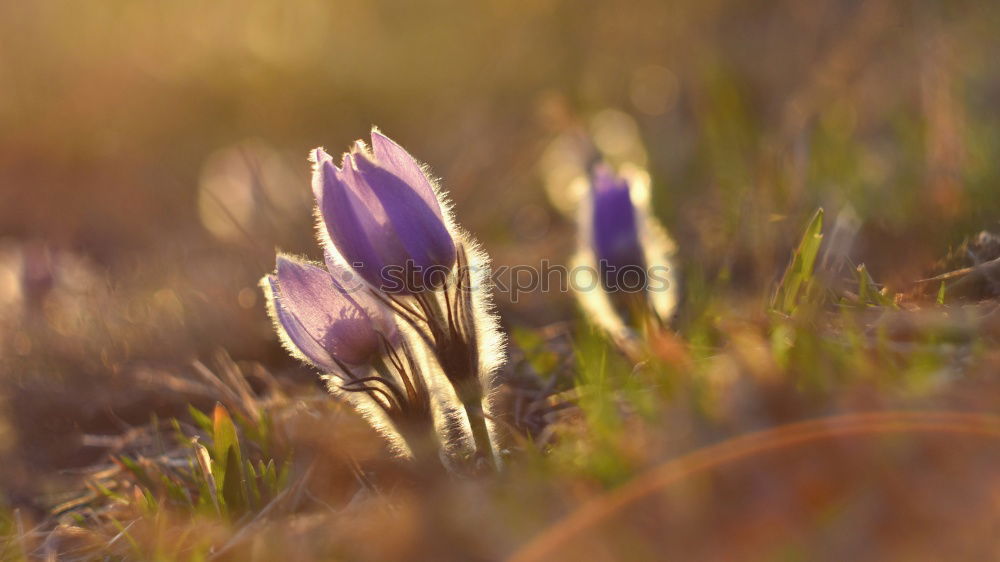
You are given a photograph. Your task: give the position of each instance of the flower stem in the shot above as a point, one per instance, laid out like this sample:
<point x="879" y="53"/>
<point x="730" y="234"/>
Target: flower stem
<point x="458" y="357"/>
<point x="480" y="433"/>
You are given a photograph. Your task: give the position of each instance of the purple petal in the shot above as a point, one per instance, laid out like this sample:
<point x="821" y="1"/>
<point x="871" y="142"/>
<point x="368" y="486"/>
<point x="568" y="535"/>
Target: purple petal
<point x="346" y="278"/>
<point x="355" y="221"/>
<point x="417" y="225"/>
<point x="330" y="316"/>
<point x="355" y="288"/>
<point x="297" y="334"/>
<point x="319" y="157"/>
<point x="397" y="160"/>
<point x="380" y="210"/>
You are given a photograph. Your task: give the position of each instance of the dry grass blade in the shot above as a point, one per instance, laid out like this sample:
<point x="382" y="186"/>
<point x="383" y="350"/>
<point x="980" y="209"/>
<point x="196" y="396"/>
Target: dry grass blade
<point x="988" y="268"/>
<point x="232" y="398"/>
<point x="548" y="544"/>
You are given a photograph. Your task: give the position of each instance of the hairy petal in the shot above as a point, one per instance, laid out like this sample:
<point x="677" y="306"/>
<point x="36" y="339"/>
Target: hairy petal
<point x="334" y="319"/>
<point x="355" y="288"/>
<point x="319" y="158"/>
<point x="354" y="220"/>
<point x="295" y="332"/>
<point x="383" y="217"/>
<point x="398" y="161"/>
<point x="417" y="225"/>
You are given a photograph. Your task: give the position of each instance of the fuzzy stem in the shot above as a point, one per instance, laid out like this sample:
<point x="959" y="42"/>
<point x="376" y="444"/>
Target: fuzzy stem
<point x="456" y="357"/>
<point x="480" y="433"/>
<point x="413" y="421"/>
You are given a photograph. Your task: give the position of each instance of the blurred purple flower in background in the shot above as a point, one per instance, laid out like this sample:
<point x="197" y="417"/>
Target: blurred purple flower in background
<point x="383" y="217"/>
<point x="632" y="255"/>
<point x="616" y="244"/>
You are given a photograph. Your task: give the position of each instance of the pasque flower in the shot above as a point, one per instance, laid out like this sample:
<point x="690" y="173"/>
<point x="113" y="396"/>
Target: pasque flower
<point x="342" y="329"/>
<point x="383" y="217"/>
<point x="381" y="214"/>
<point x="635" y="295"/>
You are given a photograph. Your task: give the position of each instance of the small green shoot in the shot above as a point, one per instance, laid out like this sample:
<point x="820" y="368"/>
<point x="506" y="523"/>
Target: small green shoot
<point x="797" y="283"/>
<point x="868" y="292"/>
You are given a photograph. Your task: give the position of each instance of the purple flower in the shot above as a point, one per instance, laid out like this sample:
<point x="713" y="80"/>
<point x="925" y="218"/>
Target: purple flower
<point x="322" y="318"/>
<point x="615" y="232"/>
<point x="383" y="216"/>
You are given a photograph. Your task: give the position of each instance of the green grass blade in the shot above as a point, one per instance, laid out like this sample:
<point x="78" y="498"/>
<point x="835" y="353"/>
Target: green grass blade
<point x="797" y="281"/>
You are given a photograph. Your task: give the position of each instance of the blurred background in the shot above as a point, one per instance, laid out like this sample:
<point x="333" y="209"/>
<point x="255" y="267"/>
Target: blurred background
<point x="153" y="157"/>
